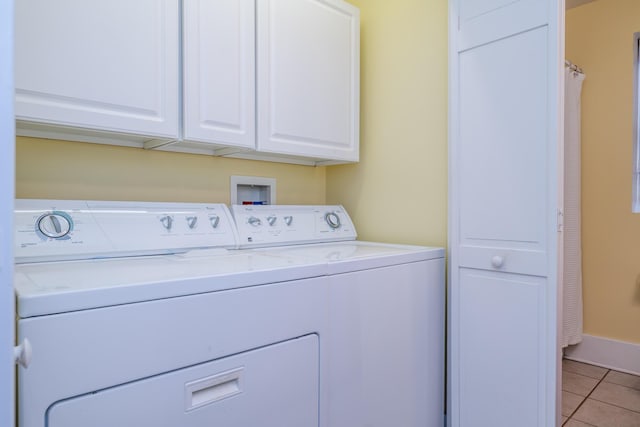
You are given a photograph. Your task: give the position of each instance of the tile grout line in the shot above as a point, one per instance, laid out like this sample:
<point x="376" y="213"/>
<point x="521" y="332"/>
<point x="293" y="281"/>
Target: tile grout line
<point x="614" y="405"/>
<point x="587" y="396"/>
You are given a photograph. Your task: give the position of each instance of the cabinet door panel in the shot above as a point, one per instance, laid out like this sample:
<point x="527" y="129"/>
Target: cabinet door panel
<point x="502" y="152"/>
<point x="101" y="65"/>
<point x="501" y="342"/>
<point x="308" y="78"/>
<point x="219" y="72"/>
<point x="505" y="134"/>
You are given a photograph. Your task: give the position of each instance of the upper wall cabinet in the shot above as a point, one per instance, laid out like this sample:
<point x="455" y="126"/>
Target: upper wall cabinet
<point x="98" y="66"/>
<point x="302" y="59"/>
<point x="262" y="79"/>
<point x="308" y="78"/>
<point x="219" y="73"/>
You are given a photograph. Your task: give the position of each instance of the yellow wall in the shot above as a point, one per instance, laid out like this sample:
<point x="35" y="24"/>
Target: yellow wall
<point x="75" y="170"/>
<point x="599" y="38"/>
<point x="403" y="139"/>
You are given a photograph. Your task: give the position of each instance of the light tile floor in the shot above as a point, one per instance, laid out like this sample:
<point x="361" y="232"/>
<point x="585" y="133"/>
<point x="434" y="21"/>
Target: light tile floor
<point x="597" y="397"/>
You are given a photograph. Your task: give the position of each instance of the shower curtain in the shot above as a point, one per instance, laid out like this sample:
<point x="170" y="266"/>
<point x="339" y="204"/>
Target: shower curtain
<point x="572" y="269"/>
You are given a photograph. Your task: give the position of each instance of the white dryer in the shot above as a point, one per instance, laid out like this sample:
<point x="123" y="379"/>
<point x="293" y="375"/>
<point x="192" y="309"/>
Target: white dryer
<point x="138" y="315"/>
<point x="386" y="335"/>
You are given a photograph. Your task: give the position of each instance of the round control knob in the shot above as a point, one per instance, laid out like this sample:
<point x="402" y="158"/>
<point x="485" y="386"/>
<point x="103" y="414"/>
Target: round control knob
<point x="167" y="222"/>
<point x="255" y="221"/>
<point x="54" y="225"/>
<point x="192" y="222"/>
<point x="214" y="220"/>
<point x="497" y="261"/>
<point x="271" y="219"/>
<point x="288" y="219"/>
<point x="332" y="219"/>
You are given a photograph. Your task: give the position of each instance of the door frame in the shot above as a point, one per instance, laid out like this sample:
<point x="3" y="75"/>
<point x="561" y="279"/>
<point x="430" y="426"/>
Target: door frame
<point x="7" y="189"/>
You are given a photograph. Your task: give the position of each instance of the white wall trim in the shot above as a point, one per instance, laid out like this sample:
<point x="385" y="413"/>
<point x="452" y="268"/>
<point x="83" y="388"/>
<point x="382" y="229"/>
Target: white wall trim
<point x="613" y="354"/>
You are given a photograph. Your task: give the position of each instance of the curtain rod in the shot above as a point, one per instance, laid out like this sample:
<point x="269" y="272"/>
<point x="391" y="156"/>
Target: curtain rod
<point x="573" y="67"/>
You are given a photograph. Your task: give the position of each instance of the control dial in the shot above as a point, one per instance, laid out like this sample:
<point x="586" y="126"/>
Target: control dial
<point x="288" y="219"/>
<point x="332" y="219"/>
<point x="214" y="220"/>
<point x="192" y="222"/>
<point x="54" y="225"/>
<point x="271" y="219"/>
<point x="255" y="221"/>
<point x="167" y="222"/>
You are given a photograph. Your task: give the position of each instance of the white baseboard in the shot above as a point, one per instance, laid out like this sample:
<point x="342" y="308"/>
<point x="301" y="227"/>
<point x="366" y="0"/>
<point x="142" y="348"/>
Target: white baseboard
<point x="612" y="354"/>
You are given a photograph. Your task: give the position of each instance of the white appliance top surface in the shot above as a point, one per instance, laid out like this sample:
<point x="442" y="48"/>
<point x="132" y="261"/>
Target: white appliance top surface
<point x="342" y="257"/>
<point x="58" y="287"/>
<point x="76" y="255"/>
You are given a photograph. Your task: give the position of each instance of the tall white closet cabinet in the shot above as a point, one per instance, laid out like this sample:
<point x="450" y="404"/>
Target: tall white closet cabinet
<point x="505" y="138"/>
<point x="261" y="79"/>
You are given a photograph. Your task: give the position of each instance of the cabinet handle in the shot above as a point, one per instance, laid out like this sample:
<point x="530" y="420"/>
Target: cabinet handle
<point x="497" y="261"/>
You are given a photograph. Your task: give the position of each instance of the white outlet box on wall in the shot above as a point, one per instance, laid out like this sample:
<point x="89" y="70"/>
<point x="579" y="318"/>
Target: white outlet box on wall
<point x="253" y="190"/>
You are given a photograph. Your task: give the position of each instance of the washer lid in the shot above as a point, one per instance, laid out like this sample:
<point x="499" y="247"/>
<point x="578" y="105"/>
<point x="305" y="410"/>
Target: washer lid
<point x="58" y="287"/>
<point x="342" y="257"/>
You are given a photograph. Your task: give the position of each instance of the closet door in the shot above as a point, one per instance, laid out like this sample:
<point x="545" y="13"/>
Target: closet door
<point x="219" y="72"/>
<point x="7" y="160"/>
<point x="504" y="137"/>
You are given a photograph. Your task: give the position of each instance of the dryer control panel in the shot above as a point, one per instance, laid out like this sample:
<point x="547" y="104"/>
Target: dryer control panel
<point x="275" y="225"/>
<point x="54" y="230"/>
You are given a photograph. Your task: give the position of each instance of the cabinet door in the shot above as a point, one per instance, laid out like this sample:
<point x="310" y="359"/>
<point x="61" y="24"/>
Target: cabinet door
<point x="109" y="65"/>
<point x="308" y="78"/>
<point x="504" y="138"/>
<point x="219" y="72"/>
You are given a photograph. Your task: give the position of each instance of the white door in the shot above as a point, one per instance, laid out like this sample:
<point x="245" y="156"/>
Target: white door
<point x="109" y="65"/>
<point x="7" y="150"/>
<point x="308" y="78"/>
<point x="219" y="72"/>
<point x="505" y="82"/>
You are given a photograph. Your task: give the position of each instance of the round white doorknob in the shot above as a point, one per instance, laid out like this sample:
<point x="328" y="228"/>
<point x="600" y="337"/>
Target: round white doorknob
<point x="497" y="261"/>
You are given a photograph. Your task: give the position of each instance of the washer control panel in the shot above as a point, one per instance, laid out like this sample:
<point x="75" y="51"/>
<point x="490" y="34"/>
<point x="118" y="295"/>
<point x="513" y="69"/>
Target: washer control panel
<point x="48" y="230"/>
<point x="275" y="225"/>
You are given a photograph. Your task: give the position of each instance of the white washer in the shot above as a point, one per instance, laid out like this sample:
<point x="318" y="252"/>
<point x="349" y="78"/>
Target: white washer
<point x="386" y="336"/>
<point x="138" y="315"/>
